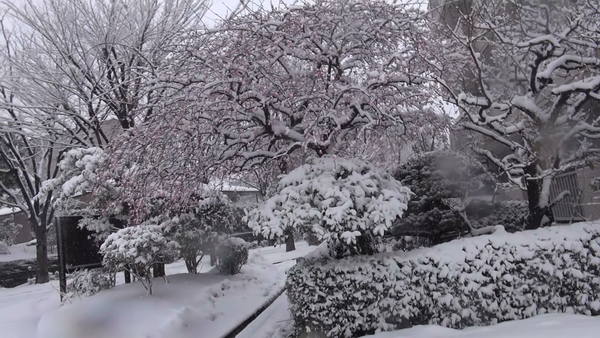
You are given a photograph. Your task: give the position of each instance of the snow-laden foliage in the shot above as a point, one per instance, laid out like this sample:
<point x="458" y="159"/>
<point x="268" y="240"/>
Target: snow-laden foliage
<point x="525" y="76"/>
<point x="232" y="255"/>
<point x="78" y="169"/>
<point x="327" y="77"/>
<point x="435" y="177"/>
<point x="337" y="199"/>
<point x="468" y="282"/>
<point x="89" y="282"/>
<point x="136" y="249"/>
<point x="510" y="214"/>
<point x="198" y="231"/>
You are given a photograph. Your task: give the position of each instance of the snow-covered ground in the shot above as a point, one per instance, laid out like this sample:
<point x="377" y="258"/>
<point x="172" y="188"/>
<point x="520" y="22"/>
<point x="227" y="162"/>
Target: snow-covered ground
<point x="543" y="326"/>
<point x="21" y="251"/>
<point x="204" y="305"/>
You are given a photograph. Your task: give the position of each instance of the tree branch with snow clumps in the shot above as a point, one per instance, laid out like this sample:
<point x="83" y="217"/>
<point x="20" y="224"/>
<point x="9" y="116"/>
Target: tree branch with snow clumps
<point x="317" y="76"/>
<point x="531" y="87"/>
<point x="344" y="201"/>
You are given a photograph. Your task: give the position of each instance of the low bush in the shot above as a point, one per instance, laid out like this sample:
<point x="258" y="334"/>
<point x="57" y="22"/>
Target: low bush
<point x="89" y="282"/>
<point x="136" y="249"/>
<point x="468" y="282"/>
<point x="511" y="214"/>
<point x="232" y="255"/>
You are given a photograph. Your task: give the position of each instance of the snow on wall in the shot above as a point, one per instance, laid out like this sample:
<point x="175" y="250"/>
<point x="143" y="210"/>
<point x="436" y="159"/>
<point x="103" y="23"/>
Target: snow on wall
<point x="468" y="282"/>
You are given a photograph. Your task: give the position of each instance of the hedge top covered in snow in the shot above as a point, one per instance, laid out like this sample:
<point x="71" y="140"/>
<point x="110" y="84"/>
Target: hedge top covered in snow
<point x="335" y="198"/>
<point x="467" y="282"/>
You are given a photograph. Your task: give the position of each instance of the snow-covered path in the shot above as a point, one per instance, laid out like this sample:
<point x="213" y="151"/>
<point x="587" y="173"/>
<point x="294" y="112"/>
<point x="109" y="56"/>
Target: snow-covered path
<point x="22" y="308"/>
<point x="274" y="322"/>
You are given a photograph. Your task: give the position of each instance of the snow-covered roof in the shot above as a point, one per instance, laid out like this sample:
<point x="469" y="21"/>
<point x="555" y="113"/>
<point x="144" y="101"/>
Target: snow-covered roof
<point x="225" y="185"/>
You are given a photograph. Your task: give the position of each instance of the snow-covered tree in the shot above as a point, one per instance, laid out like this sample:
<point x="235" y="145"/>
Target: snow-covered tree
<point x="344" y="201"/>
<point x="526" y="77"/>
<point x="198" y="231"/>
<point x="137" y="249"/>
<point x="435" y="178"/>
<point x="69" y="69"/>
<point x="332" y="77"/>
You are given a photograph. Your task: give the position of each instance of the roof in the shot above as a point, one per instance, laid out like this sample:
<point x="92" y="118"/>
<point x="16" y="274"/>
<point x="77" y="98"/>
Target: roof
<point x="225" y="186"/>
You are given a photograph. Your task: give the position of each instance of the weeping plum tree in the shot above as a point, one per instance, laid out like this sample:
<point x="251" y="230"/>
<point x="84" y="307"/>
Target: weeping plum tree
<point x="526" y="78"/>
<point x="332" y="77"/>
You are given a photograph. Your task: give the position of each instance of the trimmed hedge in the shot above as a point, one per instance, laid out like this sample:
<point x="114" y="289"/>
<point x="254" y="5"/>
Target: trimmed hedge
<point x="467" y="282"/>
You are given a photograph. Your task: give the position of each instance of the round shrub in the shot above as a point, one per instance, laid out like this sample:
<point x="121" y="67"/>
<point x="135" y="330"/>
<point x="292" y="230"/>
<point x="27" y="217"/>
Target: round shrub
<point x="344" y="201"/>
<point x="136" y="249"/>
<point x="470" y="282"/>
<point x="232" y="255"/>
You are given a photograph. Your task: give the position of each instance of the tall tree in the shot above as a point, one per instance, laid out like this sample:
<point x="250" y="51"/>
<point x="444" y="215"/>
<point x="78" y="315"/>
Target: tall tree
<point x="526" y="76"/>
<point x="333" y="77"/>
<point x="70" y="67"/>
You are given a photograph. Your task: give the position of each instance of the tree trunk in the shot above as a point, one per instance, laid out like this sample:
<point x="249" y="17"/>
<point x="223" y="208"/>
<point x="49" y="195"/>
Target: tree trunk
<point x="159" y="270"/>
<point x="41" y="248"/>
<point x="290" y="245"/>
<point x="365" y="244"/>
<point x="536" y="214"/>
<point x="190" y="264"/>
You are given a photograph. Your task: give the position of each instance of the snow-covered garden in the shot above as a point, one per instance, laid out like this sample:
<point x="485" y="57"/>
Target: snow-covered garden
<point x="299" y="169"/>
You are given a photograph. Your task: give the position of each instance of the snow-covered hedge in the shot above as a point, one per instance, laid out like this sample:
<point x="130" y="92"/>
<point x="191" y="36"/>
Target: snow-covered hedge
<point x="232" y="255"/>
<point x="136" y="249"/>
<point x="468" y="282"/>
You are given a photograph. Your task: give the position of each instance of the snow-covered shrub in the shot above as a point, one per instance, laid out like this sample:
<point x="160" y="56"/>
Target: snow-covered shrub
<point x="434" y="178"/>
<point x="473" y="281"/>
<point x="9" y="230"/>
<point x="89" y="282"/>
<point x="232" y="254"/>
<point x="200" y="229"/>
<point x="311" y="238"/>
<point x="344" y="201"/>
<point x="511" y="214"/>
<point x="136" y="249"/>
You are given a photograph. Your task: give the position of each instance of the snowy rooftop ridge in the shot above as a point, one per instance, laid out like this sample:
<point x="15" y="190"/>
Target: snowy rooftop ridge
<point x="226" y="185"/>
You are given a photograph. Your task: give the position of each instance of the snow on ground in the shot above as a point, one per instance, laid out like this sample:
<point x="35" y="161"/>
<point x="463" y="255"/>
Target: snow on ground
<point x="543" y="326"/>
<point x="208" y="302"/>
<point x="276" y="254"/>
<point x="21" y="251"/>
<point x="206" y="305"/>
